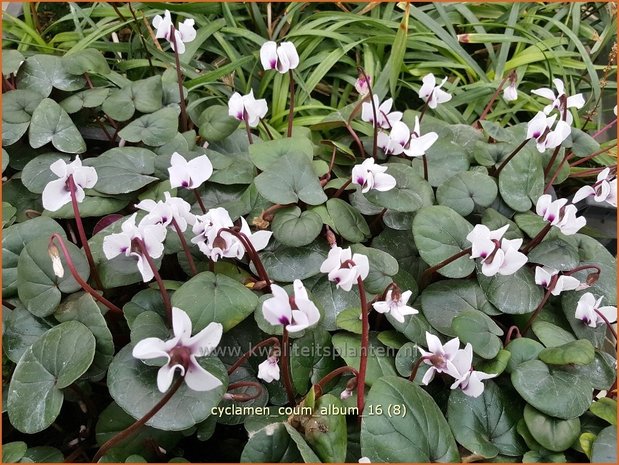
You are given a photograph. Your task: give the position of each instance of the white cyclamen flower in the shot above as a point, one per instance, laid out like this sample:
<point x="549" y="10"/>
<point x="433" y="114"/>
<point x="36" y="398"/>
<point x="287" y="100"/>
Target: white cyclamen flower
<point x="559" y="214"/>
<point x="282" y="57"/>
<point x="163" y="212"/>
<point x="152" y="235"/>
<point x="268" y="370"/>
<point x="439" y="357"/>
<point x="181" y="352"/>
<point x="294" y="313"/>
<point x="540" y="129"/>
<point x="395" y="304"/>
<point x="545" y="277"/>
<point x="370" y="176"/>
<point x="467" y="379"/>
<point x="362" y="85"/>
<point x="396" y="141"/>
<point x="215" y="243"/>
<point x="418" y="144"/>
<point x="342" y="273"/>
<point x="385" y="118"/>
<point x="432" y="94"/>
<point x="497" y="255"/>
<point x="183" y="34"/>
<point x="588" y="308"/>
<point x="56" y="193"/>
<point x="560" y="101"/>
<point x="604" y="190"/>
<point x="247" y="108"/>
<point x="510" y="93"/>
<point x="189" y="174"/>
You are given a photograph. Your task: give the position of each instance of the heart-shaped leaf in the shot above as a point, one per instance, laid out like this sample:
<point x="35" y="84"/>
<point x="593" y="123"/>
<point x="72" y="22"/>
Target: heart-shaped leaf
<point x="123" y="170"/>
<point x="466" y="190"/>
<point x="295" y="228"/>
<point x="553" y="433"/>
<point x="50" y="123"/>
<point x="410" y="193"/>
<point x="153" y="129"/>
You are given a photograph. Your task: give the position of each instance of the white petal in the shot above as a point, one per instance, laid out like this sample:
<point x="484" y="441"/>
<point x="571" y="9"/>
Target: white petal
<point x="115" y="244"/>
<point x="583" y="193"/>
<point x="165" y="375"/>
<point x="187" y="31"/>
<point x="198" y="379"/>
<point x="55" y="195"/>
<point x="200" y="169"/>
<point x="236" y="108"/>
<point x="268" y="55"/>
<point x="151" y="347"/>
<point x="206" y="340"/>
<point x="384" y="182"/>
<point x="181" y="324"/>
<point x="545" y="93"/>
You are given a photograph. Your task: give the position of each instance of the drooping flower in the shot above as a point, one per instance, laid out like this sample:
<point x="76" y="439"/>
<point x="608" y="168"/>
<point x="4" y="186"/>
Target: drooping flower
<point x="56" y="193"/>
<point x="247" y="108"/>
<point x="385" y="118"/>
<point x="268" y="370"/>
<point x="559" y="214"/>
<point x="282" y="57"/>
<point x="588" y="308"/>
<point x="497" y="255"/>
<point x="548" y="278"/>
<point x="467" y="379"/>
<point x="432" y="94"/>
<point x="152" y="235"/>
<point x="370" y="176"/>
<point x="395" y="305"/>
<point x="561" y="101"/>
<point x="183" y="34"/>
<point x="439" y="357"/>
<point x="346" y="394"/>
<point x="540" y="129"/>
<point x="344" y="268"/>
<point x="418" y="144"/>
<point x="163" y="212"/>
<point x="294" y="313"/>
<point x="362" y="85"/>
<point x="215" y="243"/>
<point x="604" y="190"/>
<point x="181" y="353"/>
<point x="510" y="93"/>
<point x="189" y="174"/>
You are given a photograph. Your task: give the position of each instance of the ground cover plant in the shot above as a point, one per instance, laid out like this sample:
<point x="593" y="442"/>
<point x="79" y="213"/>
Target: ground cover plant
<point x="309" y="232"/>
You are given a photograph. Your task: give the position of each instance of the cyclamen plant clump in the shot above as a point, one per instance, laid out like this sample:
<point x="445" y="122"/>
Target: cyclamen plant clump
<point x="281" y="246"/>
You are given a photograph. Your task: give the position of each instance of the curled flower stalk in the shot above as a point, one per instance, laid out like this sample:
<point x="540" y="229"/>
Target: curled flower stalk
<point x="143" y="250"/>
<point x="320" y="385"/>
<point x="58" y="270"/>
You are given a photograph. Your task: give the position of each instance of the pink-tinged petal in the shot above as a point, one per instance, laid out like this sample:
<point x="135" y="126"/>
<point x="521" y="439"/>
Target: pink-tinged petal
<point x="451" y="348"/>
<point x="180" y="46"/>
<point x="300" y="322"/>
<point x="428" y="376"/>
<point x="384" y="182"/>
<point x="344" y="278"/>
<point x="363" y="265"/>
<point x="277" y="311"/>
<point x="198" y="379"/>
<point x="367" y="112"/>
<point x="181" y="324"/>
<point x="583" y="193"/>
<point x="165" y="376"/>
<point x="268" y="55"/>
<point x="290" y="51"/>
<point x="463" y="359"/>
<point x="543" y="203"/>
<point x="474" y="387"/>
<point x="492" y="268"/>
<point x="603" y="192"/>
<point x="381" y="306"/>
<point x="537" y="126"/>
<point x="510" y="93"/>
<point x="116" y="244"/>
<point x="236" y="109"/>
<point x="206" y="340"/>
<point x="187" y="31"/>
<point x="143" y="267"/>
<point x="576" y="101"/>
<point x="545" y="93"/>
<point x="151" y="347"/>
<point x="260" y="239"/>
<point x="434" y="344"/>
<point x="397" y="314"/>
<point x="268" y="371"/>
<point x="609" y="312"/>
<point x="200" y="169"/>
<point x="56" y="195"/>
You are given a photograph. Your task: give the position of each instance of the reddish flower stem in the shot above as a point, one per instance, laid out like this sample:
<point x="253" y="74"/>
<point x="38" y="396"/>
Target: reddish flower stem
<point x="253" y="254"/>
<point x="179" y="79"/>
<point x="552" y="161"/>
<point x="537" y="239"/>
<point x="566" y="159"/>
<point x="199" y="199"/>
<point x="245" y="397"/>
<point x="87" y="288"/>
<point x="605" y="128"/>
<point x="509" y="158"/>
<point x="286" y="366"/>
<point x="192" y="265"/>
<point x="164" y="292"/>
<point x="291" y="112"/>
<point x="80" y="229"/>
<point x="512" y="330"/>
<point x="124" y="434"/>
<point x="270" y="341"/>
<point x="608" y="324"/>
<point x="341" y="189"/>
<point x="374" y="111"/>
<point x="416" y="367"/>
<point x="355" y="137"/>
<point x="593" y="155"/>
<point x="424" y="159"/>
<point x="536" y="312"/>
<point x="427" y="274"/>
<point x="365" y="343"/>
<point x="334" y="374"/>
<point x="492" y="100"/>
